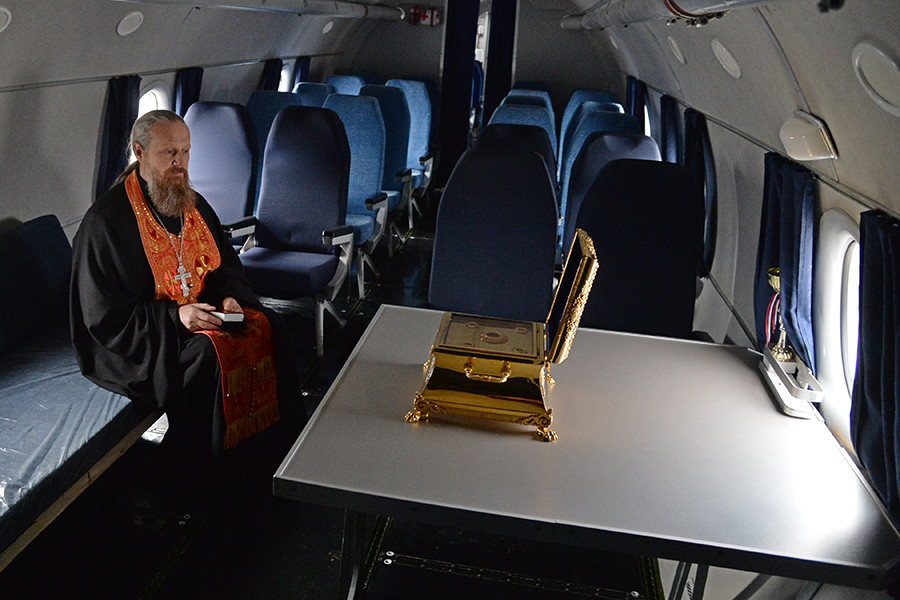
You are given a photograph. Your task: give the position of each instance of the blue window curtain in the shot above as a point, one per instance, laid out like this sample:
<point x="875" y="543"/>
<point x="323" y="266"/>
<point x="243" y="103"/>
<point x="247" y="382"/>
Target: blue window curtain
<point x="635" y="97"/>
<point x="669" y="140"/>
<point x="786" y="240"/>
<point x="501" y="41"/>
<point x="301" y="71"/>
<point x="874" y="429"/>
<point x="187" y="88"/>
<point x="698" y="158"/>
<point x="271" y="75"/>
<point x="456" y="84"/>
<point x="122" y="97"/>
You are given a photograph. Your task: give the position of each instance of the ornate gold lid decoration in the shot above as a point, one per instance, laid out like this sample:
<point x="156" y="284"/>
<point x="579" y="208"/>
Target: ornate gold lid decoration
<point x="571" y="295"/>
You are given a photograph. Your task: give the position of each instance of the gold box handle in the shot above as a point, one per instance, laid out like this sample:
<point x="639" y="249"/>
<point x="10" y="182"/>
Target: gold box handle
<point x="501" y="378"/>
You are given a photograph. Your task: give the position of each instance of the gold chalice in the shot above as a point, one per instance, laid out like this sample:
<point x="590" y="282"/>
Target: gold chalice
<point x="780" y="350"/>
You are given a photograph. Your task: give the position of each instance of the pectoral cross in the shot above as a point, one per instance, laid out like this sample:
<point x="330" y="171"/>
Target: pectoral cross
<point x="182" y="278"/>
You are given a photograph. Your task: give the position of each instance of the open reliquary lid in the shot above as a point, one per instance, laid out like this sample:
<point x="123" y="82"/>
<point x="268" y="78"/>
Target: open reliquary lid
<point x="571" y="296"/>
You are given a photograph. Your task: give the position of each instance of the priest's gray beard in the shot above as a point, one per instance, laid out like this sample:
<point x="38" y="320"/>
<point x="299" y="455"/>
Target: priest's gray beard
<point x="172" y="196"/>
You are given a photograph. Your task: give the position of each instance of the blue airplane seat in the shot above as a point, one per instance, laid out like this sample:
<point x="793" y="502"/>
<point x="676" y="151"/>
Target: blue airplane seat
<point x="367" y="204"/>
<point x="397" y="179"/>
<point x="565" y="135"/>
<point x="301" y="246"/>
<point x="346" y="84"/>
<point x="434" y="100"/>
<point x="594" y="121"/>
<point x="575" y="100"/>
<point x="395" y="113"/>
<point x="646" y="220"/>
<point x="494" y="241"/>
<point x="420" y="123"/>
<point x="224" y="161"/>
<point x="313" y="94"/>
<point x="506" y="137"/>
<point x="263" y="105"/>
<point x="418" y="157"/>
<point x="520" y="114"/>
<point x="518" y="94"/>
<point x="599" y="149"/>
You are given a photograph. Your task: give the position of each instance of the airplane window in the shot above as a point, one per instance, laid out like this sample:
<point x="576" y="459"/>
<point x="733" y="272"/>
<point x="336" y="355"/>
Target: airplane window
<point x="284" y="83"/>
<point x="153" y="97"/>
<point x="836" y="315"/>
<point x="850" y="314"/>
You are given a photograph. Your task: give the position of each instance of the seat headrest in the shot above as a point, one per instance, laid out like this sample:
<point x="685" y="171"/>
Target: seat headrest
<point x="313" y="94"/>
<point x="504" y="137"/>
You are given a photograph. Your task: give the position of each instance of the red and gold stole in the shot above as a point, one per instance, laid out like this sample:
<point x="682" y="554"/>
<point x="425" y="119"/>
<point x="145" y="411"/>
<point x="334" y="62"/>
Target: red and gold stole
<point x="249" y="386"/>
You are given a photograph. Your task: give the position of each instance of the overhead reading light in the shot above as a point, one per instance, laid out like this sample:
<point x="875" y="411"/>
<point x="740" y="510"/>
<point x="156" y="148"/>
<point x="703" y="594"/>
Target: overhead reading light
<point x="327" y="27"/>
<point x="879" y="75"/>
<point x="806" y="137"/>
<point x="5" y="18"/>
<point x="130" y="23"/>
<point x="726" y="59"/>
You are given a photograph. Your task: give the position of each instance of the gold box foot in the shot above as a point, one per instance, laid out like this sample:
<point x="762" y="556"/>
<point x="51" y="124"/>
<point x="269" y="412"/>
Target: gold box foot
<point x="415" y="416"/>
<point x="548" y="435"/>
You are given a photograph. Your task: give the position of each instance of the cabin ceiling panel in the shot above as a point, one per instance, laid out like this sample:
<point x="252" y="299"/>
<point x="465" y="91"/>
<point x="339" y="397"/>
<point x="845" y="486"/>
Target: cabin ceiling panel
<point x="216" y="35"/>
<point x="642" y="55"/>
<point x="397" y="49"/>
<point x="758" y="101"/>
<point x="820" y="48"/>
<point x="65" y="41"/>
<point x="563" y="60"/>
<point x="59" y="41"/>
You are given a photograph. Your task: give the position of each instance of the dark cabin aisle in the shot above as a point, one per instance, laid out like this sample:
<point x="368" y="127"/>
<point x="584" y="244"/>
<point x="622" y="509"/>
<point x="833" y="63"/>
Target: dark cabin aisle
<point x="149" y="529"/>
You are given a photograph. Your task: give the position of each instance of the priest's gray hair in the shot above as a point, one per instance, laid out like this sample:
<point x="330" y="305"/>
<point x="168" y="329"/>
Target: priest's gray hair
<point x="140" y="135"/>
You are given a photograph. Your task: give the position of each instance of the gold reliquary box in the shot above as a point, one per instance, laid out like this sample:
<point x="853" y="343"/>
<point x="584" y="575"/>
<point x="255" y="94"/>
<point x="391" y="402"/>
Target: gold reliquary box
<point x="498" y="369"/>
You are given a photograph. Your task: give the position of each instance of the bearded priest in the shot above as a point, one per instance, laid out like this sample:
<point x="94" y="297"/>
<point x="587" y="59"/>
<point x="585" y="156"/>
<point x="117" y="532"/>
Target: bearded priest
<point x="151" y="263"/>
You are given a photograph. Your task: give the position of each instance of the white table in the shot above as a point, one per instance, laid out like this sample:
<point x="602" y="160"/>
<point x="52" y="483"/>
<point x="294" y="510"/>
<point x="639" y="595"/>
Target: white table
<point x="666" y="448"/>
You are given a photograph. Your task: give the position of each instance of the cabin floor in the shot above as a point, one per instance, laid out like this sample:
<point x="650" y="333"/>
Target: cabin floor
<point x="152" y="529"/>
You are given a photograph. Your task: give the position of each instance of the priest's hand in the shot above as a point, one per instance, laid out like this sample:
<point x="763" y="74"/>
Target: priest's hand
<point x="196" y="317"/>
<point x="230" y="305"/>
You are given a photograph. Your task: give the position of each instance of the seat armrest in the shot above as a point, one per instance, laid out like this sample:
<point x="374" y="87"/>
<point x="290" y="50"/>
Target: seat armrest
<point x="338" y="236"/>
<point x="377" y="202"/>
<point x="245" y="226"/>
<point x="404" y="175"/>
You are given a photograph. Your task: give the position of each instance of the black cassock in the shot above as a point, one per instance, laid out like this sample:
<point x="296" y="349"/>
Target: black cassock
<point x="131" y="343"/>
